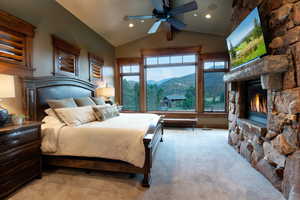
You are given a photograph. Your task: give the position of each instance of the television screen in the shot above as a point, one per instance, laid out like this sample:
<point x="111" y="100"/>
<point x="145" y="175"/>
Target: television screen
<point x="246" y="42"/>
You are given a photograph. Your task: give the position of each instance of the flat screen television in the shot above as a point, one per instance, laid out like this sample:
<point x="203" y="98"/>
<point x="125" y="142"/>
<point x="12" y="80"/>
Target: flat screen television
<point x="247" y="42"/>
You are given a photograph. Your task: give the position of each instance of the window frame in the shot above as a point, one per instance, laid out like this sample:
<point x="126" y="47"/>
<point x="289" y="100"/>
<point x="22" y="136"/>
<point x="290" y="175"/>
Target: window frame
<point x="175" y="51"/>
<point x="13" y="27"/>
<point x="215" y="57"/>
<point x="61" y="46"/>
<point x="119" y="77"/>
<point x="99" y="62"/>
<point x="170" y="65"/>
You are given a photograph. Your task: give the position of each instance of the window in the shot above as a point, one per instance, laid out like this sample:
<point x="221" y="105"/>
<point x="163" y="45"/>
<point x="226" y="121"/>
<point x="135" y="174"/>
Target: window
<point x="65" y="57"/>
<point x="214" y="86"/>
<point x="96" y="67"/>
<point x="171" y="83"/>
<point x="16" y="38"/>
<point x="130" y="86"/>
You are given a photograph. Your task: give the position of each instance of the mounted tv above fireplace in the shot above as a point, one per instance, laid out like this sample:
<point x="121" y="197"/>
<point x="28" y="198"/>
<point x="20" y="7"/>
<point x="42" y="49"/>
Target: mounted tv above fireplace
<point x="247" y="42"/>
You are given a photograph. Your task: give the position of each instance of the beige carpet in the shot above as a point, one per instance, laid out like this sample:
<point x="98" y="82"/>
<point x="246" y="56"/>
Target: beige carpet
<point x="197" y="165"/>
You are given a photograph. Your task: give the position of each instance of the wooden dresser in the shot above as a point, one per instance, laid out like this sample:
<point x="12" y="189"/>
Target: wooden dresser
<point x="20" y="157"/>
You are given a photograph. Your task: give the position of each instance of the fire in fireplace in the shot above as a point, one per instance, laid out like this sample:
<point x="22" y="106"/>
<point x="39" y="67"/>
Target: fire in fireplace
<point x="256" y="102"/>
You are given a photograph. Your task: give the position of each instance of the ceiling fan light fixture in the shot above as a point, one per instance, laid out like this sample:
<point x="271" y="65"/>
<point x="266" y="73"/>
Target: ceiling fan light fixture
<point x="131" y="25"/>
<point x="208" y="16"/>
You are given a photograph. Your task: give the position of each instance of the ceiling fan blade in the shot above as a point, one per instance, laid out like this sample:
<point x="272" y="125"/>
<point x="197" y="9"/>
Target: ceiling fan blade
<point x="158" y="5"/>
<point x="184" y="8"/>
<point x="139" y="17"/>
<point x="177" y="24"/>
<point x="154" y="27"/>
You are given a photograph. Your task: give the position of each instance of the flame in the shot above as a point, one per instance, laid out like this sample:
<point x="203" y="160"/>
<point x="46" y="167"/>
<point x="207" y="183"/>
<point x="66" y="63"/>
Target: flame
<point x="258" y="104"/>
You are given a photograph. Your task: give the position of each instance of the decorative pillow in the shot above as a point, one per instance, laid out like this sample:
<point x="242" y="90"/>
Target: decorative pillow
<point x="99" y="100"/>
<point x="50" y="112"/>
<point x="76" y="116"/>
<point x="104" y="112"/>
<point x="61" y="103"/>
<point x="84" y="101"/>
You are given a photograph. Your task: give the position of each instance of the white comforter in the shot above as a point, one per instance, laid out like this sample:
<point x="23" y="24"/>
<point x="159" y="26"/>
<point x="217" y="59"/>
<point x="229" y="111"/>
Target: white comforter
<point x="119" y="138"/>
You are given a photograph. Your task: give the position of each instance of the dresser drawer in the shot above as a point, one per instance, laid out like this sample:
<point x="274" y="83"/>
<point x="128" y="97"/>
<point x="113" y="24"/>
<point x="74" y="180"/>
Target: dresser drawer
<point x="9" y="159"/>
<point x="14" y="180"/>
<point x="22" y="167"/>
<point x="17" y="138"/>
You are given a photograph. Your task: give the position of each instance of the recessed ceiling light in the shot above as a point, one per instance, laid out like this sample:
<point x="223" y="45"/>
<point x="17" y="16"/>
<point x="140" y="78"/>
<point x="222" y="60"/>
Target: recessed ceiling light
<point x="208" y="16"/>
<point x="195" y="14"/>
<point x="131" y="25"/>
<point x="142" y="21"/>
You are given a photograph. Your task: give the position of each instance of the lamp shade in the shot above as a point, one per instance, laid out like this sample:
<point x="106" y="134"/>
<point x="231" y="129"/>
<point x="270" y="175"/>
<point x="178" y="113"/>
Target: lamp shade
<point x="106" y="92"/>
<point x="7" y="86"/>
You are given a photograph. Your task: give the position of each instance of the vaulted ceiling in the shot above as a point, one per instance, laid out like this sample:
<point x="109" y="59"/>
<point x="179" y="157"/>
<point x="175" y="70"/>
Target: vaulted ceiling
<point x="106" y="17"/>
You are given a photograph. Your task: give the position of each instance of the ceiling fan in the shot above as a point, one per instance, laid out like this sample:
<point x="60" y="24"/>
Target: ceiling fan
<point x="164" y="13"/>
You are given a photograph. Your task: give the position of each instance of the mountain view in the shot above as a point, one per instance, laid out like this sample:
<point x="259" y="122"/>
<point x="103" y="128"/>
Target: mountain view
<point x="178" y="93"/>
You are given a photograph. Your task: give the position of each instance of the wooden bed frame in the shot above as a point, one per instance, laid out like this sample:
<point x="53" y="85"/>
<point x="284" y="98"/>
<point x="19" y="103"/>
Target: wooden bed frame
<point x="38" y="90"/>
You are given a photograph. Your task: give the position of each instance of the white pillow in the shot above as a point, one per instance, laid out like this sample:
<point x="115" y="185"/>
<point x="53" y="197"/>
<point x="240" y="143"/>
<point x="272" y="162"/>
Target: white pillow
<point x="77" y="115"/>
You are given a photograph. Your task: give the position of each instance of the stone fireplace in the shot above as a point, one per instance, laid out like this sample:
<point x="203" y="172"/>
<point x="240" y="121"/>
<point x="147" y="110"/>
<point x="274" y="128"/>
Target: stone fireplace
<point x="264" y="97"/>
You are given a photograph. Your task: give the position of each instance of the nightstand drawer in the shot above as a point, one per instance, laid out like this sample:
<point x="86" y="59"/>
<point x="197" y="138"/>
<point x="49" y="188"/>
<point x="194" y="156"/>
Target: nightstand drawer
<point x="9" y="159"/>
<point x="26" y="171"/>
<point x="17" y="138"/>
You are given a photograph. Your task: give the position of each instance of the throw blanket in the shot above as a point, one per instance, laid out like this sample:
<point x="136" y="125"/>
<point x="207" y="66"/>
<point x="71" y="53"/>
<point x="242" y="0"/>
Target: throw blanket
<point x="119" y="138"/>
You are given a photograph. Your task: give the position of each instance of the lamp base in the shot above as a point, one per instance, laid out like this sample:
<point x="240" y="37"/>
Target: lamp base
<point x="4" y="116"/>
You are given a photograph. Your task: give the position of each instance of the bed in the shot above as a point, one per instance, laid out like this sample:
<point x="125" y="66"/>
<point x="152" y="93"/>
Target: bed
<point x="146" y="134"/>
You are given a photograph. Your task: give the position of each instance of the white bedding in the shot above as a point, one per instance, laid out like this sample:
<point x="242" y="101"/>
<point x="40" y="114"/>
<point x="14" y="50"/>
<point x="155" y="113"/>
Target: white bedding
<point x="119" y="138"/>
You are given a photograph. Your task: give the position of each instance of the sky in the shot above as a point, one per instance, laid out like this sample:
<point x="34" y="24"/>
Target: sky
<point x="160" y="73"/>
<point x="244" y="28"/>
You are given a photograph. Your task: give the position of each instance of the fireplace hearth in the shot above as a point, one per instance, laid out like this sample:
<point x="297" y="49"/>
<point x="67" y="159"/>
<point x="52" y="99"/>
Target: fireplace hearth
<point x="256" y="102"/>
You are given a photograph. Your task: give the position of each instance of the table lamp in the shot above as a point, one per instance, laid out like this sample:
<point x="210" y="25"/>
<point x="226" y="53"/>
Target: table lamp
<point x="107" y="93"/>
<point x="7" y="90"/>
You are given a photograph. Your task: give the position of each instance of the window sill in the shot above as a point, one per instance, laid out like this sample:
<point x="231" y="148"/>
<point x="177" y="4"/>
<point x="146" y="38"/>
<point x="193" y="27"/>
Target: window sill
<point x="213" y="114"/>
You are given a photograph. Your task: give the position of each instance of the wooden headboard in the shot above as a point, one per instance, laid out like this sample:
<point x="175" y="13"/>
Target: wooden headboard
<point x="39" y="89"/>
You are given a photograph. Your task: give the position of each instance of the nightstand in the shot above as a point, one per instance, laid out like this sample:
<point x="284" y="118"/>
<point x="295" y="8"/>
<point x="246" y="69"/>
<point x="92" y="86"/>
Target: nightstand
<point x="20" y="155"/>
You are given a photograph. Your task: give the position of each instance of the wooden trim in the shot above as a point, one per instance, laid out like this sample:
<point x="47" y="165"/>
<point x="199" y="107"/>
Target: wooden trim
<point x="118" y="84"/>
<point x="213" y="115"/>
<point x="171" y="65"/>
<point x="143" y="87"/>
<point x="214" y="57"/>
<point x="213" y="126"/>
<point x="170" y="51"/>
<point x="65" y="46"/>
<point x="16" y="24"/>
<point x="16" y="37"/>
<point x="64" y="50"/>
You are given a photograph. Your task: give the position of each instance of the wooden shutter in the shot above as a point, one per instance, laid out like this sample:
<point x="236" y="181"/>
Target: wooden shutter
<point x="96" y="67"/>
<point x="12" y="47"/>
<point x="16" y="38"/>
<point x="66" y="57"/>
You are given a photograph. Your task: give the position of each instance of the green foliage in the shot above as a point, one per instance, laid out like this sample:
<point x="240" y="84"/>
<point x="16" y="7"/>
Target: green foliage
<point x="190" y="97"/>
<point x="182" y="86"/>
<point x="251" y="47"/>
<point x="130" y="95"/>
